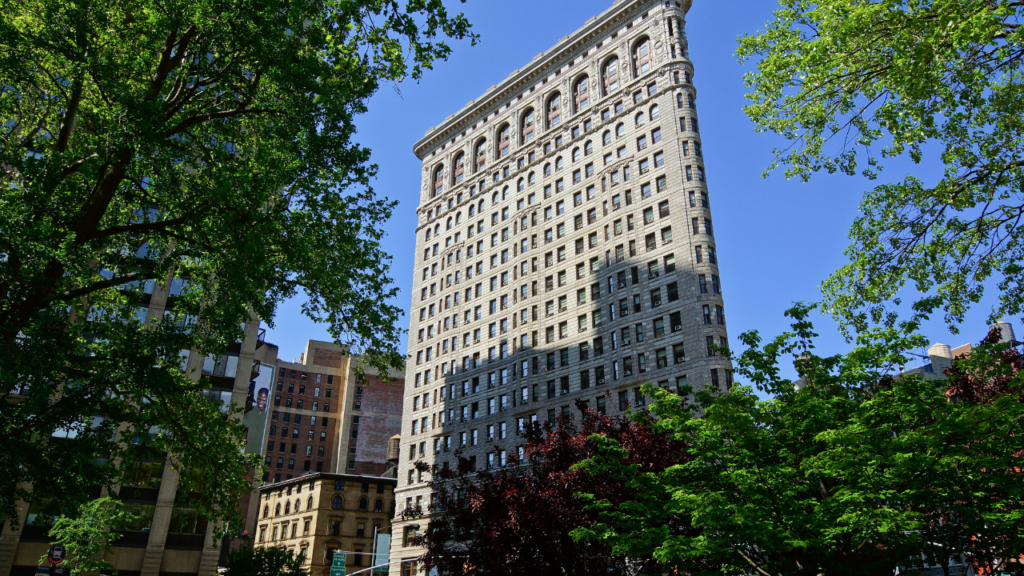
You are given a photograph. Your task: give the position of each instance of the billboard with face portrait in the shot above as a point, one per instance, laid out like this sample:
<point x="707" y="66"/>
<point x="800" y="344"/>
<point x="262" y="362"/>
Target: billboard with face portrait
<point x="256" y="413"/>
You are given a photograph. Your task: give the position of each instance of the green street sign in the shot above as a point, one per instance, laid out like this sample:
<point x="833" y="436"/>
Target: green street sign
<point x="338" y="565"/>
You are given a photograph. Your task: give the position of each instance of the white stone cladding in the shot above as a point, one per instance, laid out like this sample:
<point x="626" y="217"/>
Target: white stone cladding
<point x="504" y="251"/>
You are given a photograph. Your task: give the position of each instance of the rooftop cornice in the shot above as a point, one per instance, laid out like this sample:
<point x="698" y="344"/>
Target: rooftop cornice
<point x="542" y="64"/>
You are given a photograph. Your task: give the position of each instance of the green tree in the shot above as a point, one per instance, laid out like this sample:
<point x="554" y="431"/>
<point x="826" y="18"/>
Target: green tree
<point x="854" y="83"/>
<point x="855" y="472"/>
<point x="265" y="561"/>
<point x="199" y="140"/>
<point x="88" y="533"/>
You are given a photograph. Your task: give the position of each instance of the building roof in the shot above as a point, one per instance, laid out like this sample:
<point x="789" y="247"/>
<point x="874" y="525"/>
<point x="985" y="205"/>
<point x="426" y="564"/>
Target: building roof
<point x="567" y="48"/>
<point x="317" y="476"/>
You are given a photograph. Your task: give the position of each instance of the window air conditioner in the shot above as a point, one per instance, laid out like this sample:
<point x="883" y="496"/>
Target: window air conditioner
<point x="677" y="328"/>
<point x="680" y="360"/>
<point x="600" y="380"/>
<point x="628" y="372"/>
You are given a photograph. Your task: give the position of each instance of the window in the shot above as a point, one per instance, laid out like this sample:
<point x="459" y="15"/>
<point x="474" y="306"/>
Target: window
<point x="610" y="75"/>
<point x="554" y="110"/>
<point x="642" y="57"/>
<point x="438" y="182"/>
<point x="582" y="97"/>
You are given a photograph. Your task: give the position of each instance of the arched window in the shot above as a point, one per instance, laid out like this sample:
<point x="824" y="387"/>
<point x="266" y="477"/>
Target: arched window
<point x="494" y="199"/>
<point x="642" y="56"/>
<point x="472" y="209"/>
<point x="266" y="511"/>
<point x="575" y="154"/>
<point x="547" y="169"/>
<point x="620" y="130"/>
<point x="692" y="101"/>
<point x="481" y="154"/>
<point x="287" y="508"/>
<point x="277" y="510"/>
<point x="588" y="148"/>
<point x="531" y="178"/>
<point x="559" y="164"/>
<point x="437" y="229"/>
<point x="581" y="93"/>
<point x="504" y="140"/>
<point x="640" y="119"/>
<point x="309" y="503"/>
<point x="606" y="138"/>
<point x="521" y="185"/>
<point x="554" y="109"/>
<point x="504" y="193"/>
<point x="362" y="504"/>
<point x="526" y="126"/>
<point x="439" y="180"/>
<point x="428" y="233"/>
<point x="448" y="225"/>
<point x="298" y="505"/>
<point x="460" y="167"/>
<point x="378" y="505"/>
<point x="336" y="503"/>
<point x="458" y="217"/>
<point x="610" y="75"/>
<point x="654" y="113"/>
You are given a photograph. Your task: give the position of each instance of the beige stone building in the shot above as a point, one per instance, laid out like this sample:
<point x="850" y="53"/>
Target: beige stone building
<point x="565" y="249"/>
<point x="323" y="514"/>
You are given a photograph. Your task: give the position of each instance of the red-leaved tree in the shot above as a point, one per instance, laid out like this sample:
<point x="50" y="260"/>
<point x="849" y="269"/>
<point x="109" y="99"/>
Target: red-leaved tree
<point x="990" y="371"/>
<point x="516" y="519"/>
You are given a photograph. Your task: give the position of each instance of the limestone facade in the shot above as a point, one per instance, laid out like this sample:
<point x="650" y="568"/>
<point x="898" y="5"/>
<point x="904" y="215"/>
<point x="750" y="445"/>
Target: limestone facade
<point x="565" y="250"/>
<point x="322" y="514"/>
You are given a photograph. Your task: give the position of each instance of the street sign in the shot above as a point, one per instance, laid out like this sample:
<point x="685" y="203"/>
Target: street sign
<point x="338" y="565"/>
<point x="56" y="554"/>
<point x="41" y="570"/>
<point x="383" y="552"/>
<point x="58" y="571"/>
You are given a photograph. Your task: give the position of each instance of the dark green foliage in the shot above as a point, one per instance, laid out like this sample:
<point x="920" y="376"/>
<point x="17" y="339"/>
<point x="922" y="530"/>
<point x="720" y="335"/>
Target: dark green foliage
<point x="860" y="471"/>
<point x="203" y="140"/>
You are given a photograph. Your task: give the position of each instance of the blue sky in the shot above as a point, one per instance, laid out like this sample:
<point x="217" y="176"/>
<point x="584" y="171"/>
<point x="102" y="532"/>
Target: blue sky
<point x="777" y="239"/>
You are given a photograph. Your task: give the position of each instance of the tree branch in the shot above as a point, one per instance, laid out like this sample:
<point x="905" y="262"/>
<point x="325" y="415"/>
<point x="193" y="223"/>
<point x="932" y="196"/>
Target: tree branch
<point x="189" y="122"/>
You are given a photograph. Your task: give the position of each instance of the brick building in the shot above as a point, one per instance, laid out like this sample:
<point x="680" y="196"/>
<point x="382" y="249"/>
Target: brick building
<point x="565" y="249"/>
<point x="321" y="418"/>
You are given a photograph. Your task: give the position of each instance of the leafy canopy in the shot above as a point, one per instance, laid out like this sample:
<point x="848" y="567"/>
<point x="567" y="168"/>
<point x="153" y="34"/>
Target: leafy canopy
<point x="854" y="83"/>
<point x="517" y="519"/>
<point x="856" y="471"/>
<point x="201" y="148"/>
<point x="265" y="561"/>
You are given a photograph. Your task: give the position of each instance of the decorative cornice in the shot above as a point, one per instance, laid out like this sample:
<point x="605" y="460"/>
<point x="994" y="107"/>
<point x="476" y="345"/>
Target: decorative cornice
<point x="568" y="48"/>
